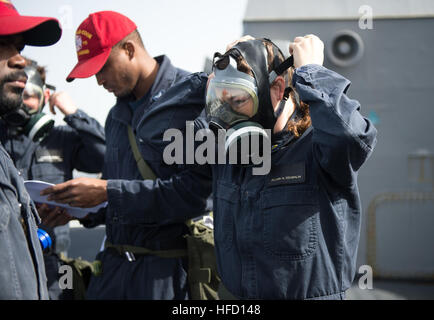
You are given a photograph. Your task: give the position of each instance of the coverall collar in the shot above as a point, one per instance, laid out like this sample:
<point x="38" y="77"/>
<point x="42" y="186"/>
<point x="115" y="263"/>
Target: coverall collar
<point x="166" y="74"/>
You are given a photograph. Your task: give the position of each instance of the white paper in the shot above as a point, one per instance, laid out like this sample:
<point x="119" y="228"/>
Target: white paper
<point x="34" y="187"/>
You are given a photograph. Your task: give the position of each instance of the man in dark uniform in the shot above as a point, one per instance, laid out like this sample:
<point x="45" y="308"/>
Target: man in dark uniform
<point x="109" y="47"/>
<point x="78" y="145"/>
<point x="22" y="272"/>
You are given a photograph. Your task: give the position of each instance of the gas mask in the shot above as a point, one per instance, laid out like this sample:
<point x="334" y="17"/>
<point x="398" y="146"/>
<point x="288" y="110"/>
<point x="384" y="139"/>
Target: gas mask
<point x="29" y="119"/>
<point x="241" y="104"/>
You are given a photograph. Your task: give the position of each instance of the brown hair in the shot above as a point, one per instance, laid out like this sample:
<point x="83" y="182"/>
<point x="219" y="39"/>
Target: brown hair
<point x="303" y="122"/>
<point x="299" y="125"/>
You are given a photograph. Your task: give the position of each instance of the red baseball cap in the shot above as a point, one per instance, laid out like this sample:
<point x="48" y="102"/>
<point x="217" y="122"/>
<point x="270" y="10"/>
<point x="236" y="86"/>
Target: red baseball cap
<point x="37" y="31"/>
<point x="94" y="40"/>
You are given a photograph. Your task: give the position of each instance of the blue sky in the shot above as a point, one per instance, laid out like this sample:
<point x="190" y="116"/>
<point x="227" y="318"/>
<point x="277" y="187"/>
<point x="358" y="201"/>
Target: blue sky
<point x="187" y="31"/>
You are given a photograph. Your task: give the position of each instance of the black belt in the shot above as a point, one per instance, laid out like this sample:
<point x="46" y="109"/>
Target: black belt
<point x="130" y="251"/>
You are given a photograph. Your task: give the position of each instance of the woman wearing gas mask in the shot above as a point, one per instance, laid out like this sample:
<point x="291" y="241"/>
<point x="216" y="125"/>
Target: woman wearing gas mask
<point x="290" y="231"/>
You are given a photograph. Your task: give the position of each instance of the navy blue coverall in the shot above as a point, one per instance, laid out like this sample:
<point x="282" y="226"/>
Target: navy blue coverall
<point x="79" y="145"/>
<point x="22" y="271"/>
<point x="294" y="233"/>
<point x="131" y="199"/>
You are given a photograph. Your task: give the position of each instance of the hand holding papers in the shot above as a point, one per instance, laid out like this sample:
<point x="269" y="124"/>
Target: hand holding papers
<point x="34" y="189"/>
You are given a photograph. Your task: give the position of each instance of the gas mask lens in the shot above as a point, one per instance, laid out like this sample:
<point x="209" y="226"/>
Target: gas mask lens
<point x="33" y="98"/>
<point x="238" y="99"/>
<point x="232" y="95"/>
<point x="230" y="100"/>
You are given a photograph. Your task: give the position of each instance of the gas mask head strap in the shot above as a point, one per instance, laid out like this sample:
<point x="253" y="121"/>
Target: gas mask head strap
<point x="279" y="69"/>
<point x="255" y="54"/>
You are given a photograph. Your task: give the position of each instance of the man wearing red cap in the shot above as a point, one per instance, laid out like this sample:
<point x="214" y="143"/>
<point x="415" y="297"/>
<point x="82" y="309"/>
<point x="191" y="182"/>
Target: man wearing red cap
<point x="148" y="89"/>
<point x="22" y="272"/>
